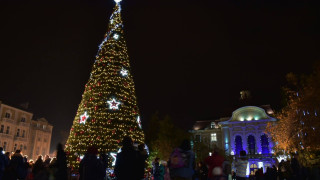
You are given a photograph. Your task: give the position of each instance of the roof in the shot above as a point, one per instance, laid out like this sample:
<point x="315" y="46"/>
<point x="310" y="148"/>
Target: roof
<point x="201" y="125"/>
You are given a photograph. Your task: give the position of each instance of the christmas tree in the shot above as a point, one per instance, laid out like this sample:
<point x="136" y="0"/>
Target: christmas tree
<point x="108" y="110"/>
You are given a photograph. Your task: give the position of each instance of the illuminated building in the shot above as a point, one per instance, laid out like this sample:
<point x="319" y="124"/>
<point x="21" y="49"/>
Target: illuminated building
<point x="19" y="131"/>
<point x="244" y="130"/>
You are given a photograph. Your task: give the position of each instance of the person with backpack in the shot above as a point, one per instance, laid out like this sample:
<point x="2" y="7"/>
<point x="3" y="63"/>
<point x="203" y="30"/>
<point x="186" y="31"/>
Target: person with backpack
<point x="214" y="162"/>
<point x="182" y="162"/>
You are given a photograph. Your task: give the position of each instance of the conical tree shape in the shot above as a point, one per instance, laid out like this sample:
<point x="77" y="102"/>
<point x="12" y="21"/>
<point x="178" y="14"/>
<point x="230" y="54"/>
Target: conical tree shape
<point x="108" y="110"/>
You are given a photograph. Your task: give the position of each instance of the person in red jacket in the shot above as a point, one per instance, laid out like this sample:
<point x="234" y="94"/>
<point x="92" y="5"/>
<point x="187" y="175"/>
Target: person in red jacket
<point x="214" y="163"/>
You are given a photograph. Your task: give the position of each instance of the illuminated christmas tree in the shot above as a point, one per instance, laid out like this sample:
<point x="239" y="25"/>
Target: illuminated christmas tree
<point x="108" y="110"/>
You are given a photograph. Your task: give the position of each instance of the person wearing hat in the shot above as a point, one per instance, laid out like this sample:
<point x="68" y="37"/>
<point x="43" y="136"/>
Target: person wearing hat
<point x="91" y="167"/>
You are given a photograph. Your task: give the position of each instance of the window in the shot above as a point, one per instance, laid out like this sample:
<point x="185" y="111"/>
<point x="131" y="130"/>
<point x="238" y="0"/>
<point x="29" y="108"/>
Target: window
<point x="7" y="115"/>
<point x="4" y="146"/>
<point x="2" y="129"/>
<point x="44" y="127"/>
<point x="23" y="119"/>
<point x="253" y="169"/>
<point x="198" y="138"/>
<point x="39" y="139"/>
<point x="21" y="146"/>
<point x="264" y="144"/>
<point x="37" y="151"/>
<point x="213" y="137"/>
<point x="15" y="147"/>
<point x="38" y="125"/>
<point x="212" y="125"/>
<point x="23" y="133"/>
<point x="25" y="147"/>
<point x="18" y="132"/>
<point x="8" y="130"/>
<point x="251" y="144"/>
<point x="238" y="144"/>
<point x="44" y="139"/>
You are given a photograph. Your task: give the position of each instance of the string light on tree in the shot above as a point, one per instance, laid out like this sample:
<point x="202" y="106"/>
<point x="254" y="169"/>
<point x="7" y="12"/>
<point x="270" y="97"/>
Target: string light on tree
<point x="114" y="158"/>
<point x="84" y="117"/>
<point x="139" y="122"/>
<point x="124" y="72"/>
<point x="116" y="36"/>
<point x="117" y="1"/>
<point x="113" y="104"/>
<point x="109" y="99"/>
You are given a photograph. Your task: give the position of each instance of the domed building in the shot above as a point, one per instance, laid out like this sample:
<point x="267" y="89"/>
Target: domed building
<point x="244" y="130"/>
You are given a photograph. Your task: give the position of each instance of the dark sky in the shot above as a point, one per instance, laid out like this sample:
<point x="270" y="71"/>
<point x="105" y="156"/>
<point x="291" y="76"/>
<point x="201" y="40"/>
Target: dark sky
<point x="189" y="58"/>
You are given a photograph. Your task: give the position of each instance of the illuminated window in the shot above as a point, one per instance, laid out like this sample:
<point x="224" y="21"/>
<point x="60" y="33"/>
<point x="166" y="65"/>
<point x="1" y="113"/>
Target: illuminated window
<point x="212" y="125"/>
<point x="213" y="137"/>
<point x="253" y="169"/>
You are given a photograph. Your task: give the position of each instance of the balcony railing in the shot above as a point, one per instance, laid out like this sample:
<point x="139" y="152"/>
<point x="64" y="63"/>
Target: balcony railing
<point x="4" y="135"/>
<point x="24" y="124"/>
<point x="20" y="138"/>
<point x="8" y="120"/>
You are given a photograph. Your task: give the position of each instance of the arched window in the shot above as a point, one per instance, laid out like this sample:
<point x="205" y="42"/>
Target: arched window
<point x="251" y="144"/>
<point x="264" y="144"/>
<point x="238" y="144"/>
<point x="7" y="115"/>
<point x="253" y="169"/>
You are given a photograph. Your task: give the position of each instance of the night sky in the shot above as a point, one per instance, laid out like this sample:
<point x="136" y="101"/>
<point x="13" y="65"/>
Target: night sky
<point x="189" y="59"/>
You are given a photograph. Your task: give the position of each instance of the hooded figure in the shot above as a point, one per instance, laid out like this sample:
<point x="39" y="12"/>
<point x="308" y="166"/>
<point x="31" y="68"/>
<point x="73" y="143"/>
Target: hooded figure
<point x="128" y="160"/>
<point x="91" y="167"/>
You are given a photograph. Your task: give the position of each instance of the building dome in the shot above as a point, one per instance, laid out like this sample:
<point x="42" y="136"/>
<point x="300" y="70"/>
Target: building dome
<point x="249" y="113"/>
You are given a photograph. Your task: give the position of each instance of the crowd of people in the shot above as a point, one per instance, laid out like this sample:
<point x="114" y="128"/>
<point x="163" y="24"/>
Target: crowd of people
<point x="216" y="167"/>
<point x="131" y="165"/>
<point x="18" y="167"/>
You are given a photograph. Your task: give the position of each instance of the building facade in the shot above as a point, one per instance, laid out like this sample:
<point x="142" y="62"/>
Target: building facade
<point x="19" y="131"/>
<point x="244" y="130"/>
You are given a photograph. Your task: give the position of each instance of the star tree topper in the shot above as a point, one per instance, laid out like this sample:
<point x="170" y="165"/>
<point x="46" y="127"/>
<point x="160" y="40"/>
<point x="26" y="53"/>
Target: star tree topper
<point x="113" y="104"/>
<point x="84" y="117"/>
